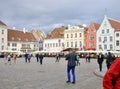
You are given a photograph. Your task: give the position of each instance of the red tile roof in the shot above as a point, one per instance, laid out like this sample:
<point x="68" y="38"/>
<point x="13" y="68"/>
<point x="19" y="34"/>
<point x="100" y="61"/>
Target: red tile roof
<point x="57" y="33"/>
<point x="115" y="24"/>
<point x="17" y="35"/>
<point x="96" y="25"/>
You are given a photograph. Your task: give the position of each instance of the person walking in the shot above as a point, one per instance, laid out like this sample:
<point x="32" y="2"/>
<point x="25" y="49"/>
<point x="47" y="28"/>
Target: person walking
<point x="78" y="60"/>
<point x="37" y="57"/>
<point x="9" y="59"/>
<point x="71" y="58"/>
<point x="111" y="79"/>
<point x="88" y="57"/>
<point x="57" y="58"/>
<point x="14" y="58"/>
<point x="109" y="60"/>
<point x="29" y="57"/>
<point x="26" y="57"/>
<point x="100" y="60"/>
<point x="41" y="58"/>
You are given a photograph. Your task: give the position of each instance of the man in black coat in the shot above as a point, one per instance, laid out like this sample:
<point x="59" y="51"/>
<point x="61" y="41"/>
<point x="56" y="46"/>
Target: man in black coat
<point x="41" y="58"/>
<point x="100" y="60"/>
<point x="109" y="60"/>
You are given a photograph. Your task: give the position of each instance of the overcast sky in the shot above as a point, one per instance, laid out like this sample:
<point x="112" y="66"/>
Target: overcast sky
<point x="48" y="14"/>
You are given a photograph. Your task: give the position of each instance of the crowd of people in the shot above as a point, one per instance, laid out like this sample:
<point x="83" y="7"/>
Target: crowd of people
<point x="111" y="79"/>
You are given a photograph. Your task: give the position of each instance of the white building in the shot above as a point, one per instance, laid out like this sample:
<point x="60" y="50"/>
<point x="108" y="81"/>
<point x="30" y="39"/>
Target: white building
<point x="54" y="41"/>
<point x="3" y="36"/>
<point x="106" y="37"/>
<point x="15" y="40"/>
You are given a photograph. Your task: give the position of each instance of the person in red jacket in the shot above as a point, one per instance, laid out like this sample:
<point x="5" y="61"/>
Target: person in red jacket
<point x="111" y="79"/>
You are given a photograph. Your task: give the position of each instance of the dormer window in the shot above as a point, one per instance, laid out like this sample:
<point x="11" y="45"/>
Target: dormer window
<point x="13" y="38"/>
<point x="26" y="39"/>
<point x="19" y="39"/>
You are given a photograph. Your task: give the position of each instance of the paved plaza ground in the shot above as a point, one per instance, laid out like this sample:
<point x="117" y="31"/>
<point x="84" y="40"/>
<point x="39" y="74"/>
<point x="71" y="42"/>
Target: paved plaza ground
<point x="50" y="75"/>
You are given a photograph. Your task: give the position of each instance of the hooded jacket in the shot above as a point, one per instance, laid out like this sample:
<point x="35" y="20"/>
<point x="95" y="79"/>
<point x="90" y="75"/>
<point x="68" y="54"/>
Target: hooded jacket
<point x="111" y="79"/>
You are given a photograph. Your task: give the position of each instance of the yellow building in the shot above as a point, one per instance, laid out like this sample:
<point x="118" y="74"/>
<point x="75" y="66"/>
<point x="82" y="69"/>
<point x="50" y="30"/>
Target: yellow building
<point x="74" y="37"/>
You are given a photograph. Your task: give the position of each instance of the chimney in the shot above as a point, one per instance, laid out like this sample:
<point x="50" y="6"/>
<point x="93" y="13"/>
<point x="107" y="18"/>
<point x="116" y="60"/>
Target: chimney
<point x="24" y="30"/>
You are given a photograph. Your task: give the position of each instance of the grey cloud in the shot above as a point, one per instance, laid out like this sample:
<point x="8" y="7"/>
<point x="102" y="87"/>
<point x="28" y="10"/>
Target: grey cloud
<point x="48" y="13"/>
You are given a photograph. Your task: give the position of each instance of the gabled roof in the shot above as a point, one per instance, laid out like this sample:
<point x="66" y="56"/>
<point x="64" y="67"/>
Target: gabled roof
<point x="115" y="24"/>
<point x="57" y="33"/>
<point x="96" y="25"/>
<point x="17" y="35"/>
<point x="1" y="23"/>
<point x="39" y="33"/>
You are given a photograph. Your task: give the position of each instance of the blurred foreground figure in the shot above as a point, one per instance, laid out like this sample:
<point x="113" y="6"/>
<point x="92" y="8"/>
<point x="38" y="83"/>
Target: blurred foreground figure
<point x="111" y="79"/>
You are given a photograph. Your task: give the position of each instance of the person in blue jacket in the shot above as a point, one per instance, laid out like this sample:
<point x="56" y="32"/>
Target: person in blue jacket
<point x="71" y="58"/>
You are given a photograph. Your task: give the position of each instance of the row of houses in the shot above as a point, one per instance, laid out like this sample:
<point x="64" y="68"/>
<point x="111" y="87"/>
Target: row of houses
<point x="100" y="37"/>
<point x="104" y="36"/>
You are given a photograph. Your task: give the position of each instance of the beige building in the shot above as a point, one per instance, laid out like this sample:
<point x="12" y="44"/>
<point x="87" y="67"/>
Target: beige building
<point x="3" y="36"/>
<point x="74" y="37"/>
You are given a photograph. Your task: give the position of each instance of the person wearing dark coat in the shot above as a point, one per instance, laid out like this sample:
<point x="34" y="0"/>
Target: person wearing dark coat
<point x="37" y="57"/>
<point x="71" y="58"/>
<point x="109" y="60"/>
<point x="100" y="60"/>
<point x="26" y="57"/>
<point x="41" y="58"/>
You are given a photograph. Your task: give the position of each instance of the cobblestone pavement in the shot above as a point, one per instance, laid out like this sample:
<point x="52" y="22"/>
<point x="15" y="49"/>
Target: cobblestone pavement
<point x="50" y="75"/>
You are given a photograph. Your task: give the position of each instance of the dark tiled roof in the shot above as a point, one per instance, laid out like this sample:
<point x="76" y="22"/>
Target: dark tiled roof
<point x="16" y="35"/>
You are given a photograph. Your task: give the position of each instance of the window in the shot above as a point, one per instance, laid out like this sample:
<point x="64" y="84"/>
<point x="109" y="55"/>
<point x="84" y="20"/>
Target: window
<point x="99" y="39"/>
<point x="67" y="44"/>
<point x="2" y="47"/>
<point x="71" y="44"/>
<point x="67" y="35"/>
<point x="91" y="36"/>
<point x="28" y="45"/>
<point x="80" y="44"/>
<point x="80" y="35"/>
<point x="103" y="31"/>
<point x="117" y="34"/>
<point x="111" y="47"/>
<point x="105" y="46"/>
<point x="2" y="40"/>
<point x="12" y="38"/>
<point x="100" y="47"/>
<point x="71" y="35"/>
<point x="117" y="43"/>
<point x="26" y="39"/>
<point x="75" y="43"/>
<point x="75" y="35"/>
<point x="105" y="39"/>
<point x="107" y="30"/>
<point x="91" y="44"/>
<point x="14" y="44"/>
<point x="2" y="31"/>
<point x="8" y="44"/>
<point x="111" y="39"/>
<point x="56" y="45"/>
